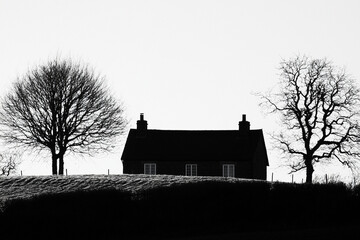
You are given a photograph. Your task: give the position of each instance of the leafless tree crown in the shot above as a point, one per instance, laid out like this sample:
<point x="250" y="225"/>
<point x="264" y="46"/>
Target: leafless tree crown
<point x="9" y="163"/>
<point x="61" y="106"/>
<point x="319" y="108"/>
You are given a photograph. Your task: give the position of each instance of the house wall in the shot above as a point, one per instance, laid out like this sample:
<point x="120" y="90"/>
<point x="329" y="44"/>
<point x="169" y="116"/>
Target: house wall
<point x="243" y="169"/>
<point x="259" y="162"/>
<point x="204" y="168"/>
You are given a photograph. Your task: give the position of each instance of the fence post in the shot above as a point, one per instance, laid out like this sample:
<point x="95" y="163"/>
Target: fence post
<point x="272" y="177"/>
<point x="66" y="171"/>
<point x="21" y="173"/>
<point x="108" y="171"/>
<point x="326" y="179"/>
<point x="292" y="178"/>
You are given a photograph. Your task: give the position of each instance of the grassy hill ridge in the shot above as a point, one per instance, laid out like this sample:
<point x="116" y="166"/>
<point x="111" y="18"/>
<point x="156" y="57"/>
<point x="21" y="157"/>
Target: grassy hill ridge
<point x="26" y="187"/>
<point x="162" y="207"/>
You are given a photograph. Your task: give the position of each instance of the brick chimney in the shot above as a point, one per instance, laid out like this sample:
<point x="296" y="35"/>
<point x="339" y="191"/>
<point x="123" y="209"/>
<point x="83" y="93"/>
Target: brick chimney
<point x="244" y="125"/>
<point x="141" y="124"/>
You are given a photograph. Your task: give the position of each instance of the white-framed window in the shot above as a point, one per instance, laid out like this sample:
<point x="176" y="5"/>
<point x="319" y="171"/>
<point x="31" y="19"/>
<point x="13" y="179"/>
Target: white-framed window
<point x="190" y="169"/>
<point x="150" y="168"/>
<point x="228" y="170"/>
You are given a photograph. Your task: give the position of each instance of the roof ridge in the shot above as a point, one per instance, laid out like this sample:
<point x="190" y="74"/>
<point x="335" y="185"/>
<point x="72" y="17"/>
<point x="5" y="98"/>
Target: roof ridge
<point x="197" y="130"/>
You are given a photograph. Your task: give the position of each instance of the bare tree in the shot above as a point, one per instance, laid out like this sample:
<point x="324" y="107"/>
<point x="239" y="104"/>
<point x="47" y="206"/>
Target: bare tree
<point x="60" y="107"/>
<point x="8" y="163"/>
<point x="319" y="108"/>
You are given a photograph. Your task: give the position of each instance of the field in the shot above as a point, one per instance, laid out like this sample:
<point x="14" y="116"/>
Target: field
<point x="174" y="207"/>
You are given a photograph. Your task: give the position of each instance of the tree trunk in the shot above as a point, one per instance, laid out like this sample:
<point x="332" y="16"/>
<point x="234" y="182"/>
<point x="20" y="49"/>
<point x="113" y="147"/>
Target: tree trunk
<point x="54" y="164"/>
<point x="309" y="170"/>
<point x="61" y="164"/>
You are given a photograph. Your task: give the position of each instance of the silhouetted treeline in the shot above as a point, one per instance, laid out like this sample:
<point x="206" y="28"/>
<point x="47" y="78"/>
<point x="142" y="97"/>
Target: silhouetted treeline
<point x="183" y="210"/>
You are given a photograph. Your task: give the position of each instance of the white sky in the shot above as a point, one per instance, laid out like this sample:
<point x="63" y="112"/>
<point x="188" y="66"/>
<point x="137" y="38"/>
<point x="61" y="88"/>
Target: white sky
<point x="185" y="64"/>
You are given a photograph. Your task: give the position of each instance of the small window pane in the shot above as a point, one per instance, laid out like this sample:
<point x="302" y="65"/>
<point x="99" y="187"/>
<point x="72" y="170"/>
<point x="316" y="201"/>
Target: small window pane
<point x="150" y="168"/>
<point x="229" y="170"/>
<point x="194" y="170"/>
<point x="225" y="170"/>
<point x="191" y="169"/>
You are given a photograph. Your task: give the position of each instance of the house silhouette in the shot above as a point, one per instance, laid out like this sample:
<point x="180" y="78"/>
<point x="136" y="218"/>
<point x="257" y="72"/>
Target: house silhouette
<point x="229" y="153"/>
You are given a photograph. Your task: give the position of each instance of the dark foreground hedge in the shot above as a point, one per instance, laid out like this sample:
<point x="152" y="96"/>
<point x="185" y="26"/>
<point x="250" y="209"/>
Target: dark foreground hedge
<point x="182" y="210"/>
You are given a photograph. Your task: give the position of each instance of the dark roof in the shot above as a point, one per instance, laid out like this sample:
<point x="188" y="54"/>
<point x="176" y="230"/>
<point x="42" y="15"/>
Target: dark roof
<point x="182" y="145"/>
